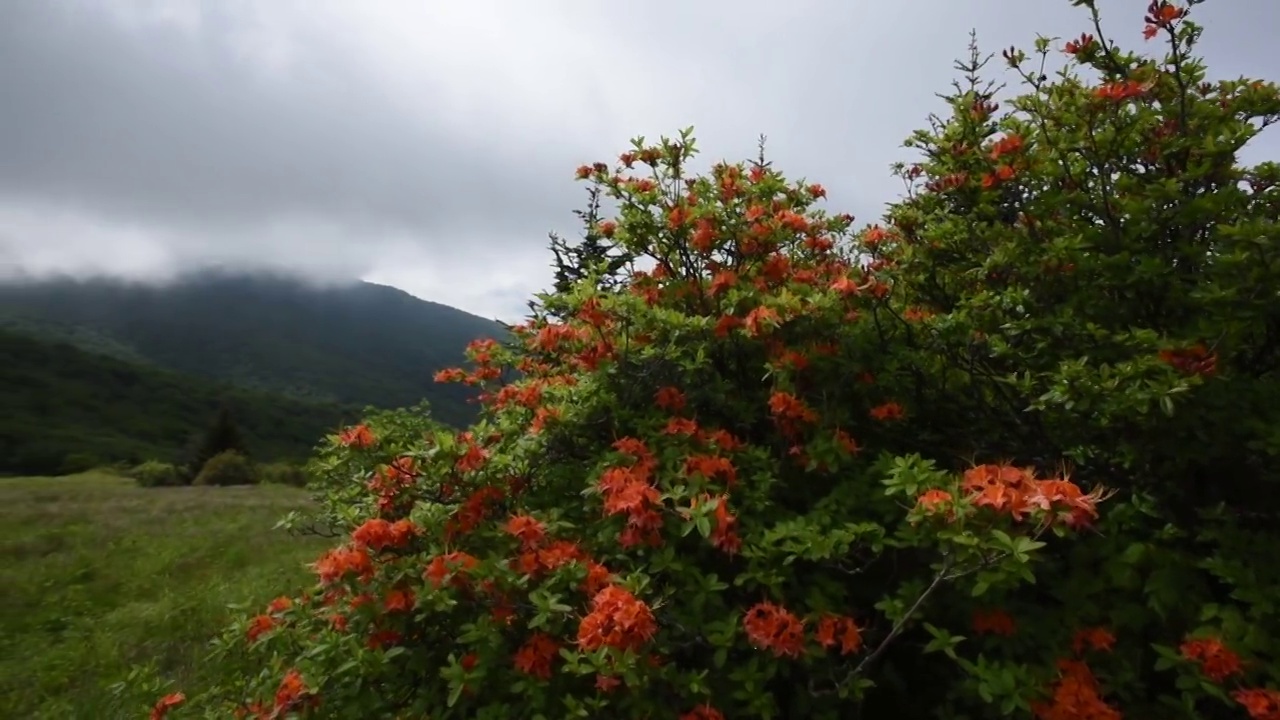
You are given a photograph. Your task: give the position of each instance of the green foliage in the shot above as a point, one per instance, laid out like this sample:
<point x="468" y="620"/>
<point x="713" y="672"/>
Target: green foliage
<point x="100" y="576"/>
<point x="341" y="503"/>
<point x="154" y="473"/>
<point x="595" y="255"/>
<point x="60" y="401"/>
<point x="221" y="436"/>
<point x="78" y="462"/>
<point x="788" y="470"/>
<point x="227" y="468"/>
<point x="283" y="474"/>
<point x="359" y="345"/>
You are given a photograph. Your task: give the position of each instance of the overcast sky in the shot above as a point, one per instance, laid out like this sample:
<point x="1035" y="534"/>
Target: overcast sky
<point x="431" y="145"/>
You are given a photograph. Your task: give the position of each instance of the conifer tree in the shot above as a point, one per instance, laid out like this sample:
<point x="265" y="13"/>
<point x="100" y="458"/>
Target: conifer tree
<point x="222" y="434"/>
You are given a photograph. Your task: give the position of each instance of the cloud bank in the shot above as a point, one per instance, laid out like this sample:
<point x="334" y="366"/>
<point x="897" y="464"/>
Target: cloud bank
<point x="431" y="146"/>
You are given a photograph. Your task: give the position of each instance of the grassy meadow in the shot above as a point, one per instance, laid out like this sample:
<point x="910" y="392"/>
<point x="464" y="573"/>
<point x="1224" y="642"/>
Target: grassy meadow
<point x="98" y="576"/>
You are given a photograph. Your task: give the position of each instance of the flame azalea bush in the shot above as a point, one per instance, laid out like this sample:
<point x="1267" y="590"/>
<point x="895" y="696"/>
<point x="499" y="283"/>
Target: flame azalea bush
<point x="677" y="508"/>
<point x="754" y="464"/>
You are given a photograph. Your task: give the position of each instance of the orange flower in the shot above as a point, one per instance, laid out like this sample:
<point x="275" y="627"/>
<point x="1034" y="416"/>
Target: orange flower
<point x="1160" y="14"/>
<point x="529" y="530"/>
<point x="874" y="236"/>
<point x="379" y="534"/>
<point x="605" y="683"/>
<point x="724" y="440"/>
<point x="598" y="577"/>
<point x="1194" y="360"/>
<point x="993" y="622"/>
<point x="704" y="236"/>
<point x="1081" y="45"/>
<point x="165" y="704"/>
<point x="474" y="457"/>
<point x="1092" y="638"/>
<point x="259" y="626"/>
<point x="760" y="320"/>
<point x="680" y="426"/>
<point x="399" y="600"/>
<point x="626" y="490"/>
<point x="773" y="628"/>
<point x="280" y="604"/>
<point x="793" y="221"/>
<point x="724" y="533"/>
<point x="1002" y="173"/>
<point x="711" y="467"/>
<point x="1064" y="495"/>
<point x="846" y="442"/>
<point x="915" y="314"/>
<point x="1121" y="90"/>
<point x="535" y="656"/>
<point x="788" y="407"/>
<point x="455" y="563"/>
<point x="1006" y="145"/>
<point x="839" y="630"/>
<point x="358" y="437"/>
<point x="339" y="562"/>
<point x="725" y="324"/>
<point x="1261" y="704"/>
<point x="678" y="216"/>
<point x="669" y="399"/>
<point x="844" y="285"/>
<point x="722" y="281"/>
<point x="930" y="500"/>
<point x="703" y="712"/>
<point x="450" y="375"/>
<point x="1217" y="661"/>
<point x="888" y="411"/>
<point x="1075" y="696"/>
<point x="618" y="620"/>
<point x="292" y="691"/>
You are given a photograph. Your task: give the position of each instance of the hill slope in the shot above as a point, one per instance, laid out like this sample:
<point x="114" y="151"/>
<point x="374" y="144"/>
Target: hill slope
<point x="65" y="409"/>
<point x="361" y="344"/>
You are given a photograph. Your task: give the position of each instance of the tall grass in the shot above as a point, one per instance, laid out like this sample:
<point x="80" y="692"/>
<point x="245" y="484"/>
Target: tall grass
<point x="98" y="576"/>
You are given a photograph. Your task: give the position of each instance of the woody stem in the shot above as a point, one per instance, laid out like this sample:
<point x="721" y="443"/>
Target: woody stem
<point x="902" y="621"/>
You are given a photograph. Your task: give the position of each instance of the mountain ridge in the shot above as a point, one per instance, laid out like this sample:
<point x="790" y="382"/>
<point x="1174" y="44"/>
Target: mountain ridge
<point x="354" y="343"/>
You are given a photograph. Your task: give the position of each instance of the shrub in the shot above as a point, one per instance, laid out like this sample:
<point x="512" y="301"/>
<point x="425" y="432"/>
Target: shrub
<point x="282" y="473"/>
<point x="222" y="435"/>
<point x="227" y="468"/>
<point x="75" y="463"/>
<point x="156" y="474"/>
<point x="728" y="483"/>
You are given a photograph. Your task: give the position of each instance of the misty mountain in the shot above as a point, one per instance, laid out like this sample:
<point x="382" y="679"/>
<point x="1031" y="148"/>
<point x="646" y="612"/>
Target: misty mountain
<point x="358" y="344"/>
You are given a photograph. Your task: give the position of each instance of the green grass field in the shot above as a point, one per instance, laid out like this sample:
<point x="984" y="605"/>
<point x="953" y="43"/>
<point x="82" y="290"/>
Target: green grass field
<point x="98" y="576"/>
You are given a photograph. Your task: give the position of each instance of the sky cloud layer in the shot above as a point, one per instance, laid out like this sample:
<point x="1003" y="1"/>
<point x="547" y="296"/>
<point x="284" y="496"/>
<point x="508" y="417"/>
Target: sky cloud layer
<point x="431" y="146"/>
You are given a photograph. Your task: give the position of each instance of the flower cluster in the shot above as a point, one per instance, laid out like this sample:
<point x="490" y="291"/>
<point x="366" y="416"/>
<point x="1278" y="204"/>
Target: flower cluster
<point x="1019" y="493"/>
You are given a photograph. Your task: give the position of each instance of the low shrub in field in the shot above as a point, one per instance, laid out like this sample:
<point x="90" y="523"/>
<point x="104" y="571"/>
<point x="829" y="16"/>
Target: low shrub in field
<point x="75" y="463"/>
<point x="281" y="473"/>
<point x="156" y="474"/>
<point x="756" y="465"/>
<point x="227" y="468"/>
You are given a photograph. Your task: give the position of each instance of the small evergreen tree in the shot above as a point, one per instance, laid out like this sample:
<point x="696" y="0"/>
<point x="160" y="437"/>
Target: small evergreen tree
<point x="596" y="251"/>
<point x="221" y="436"/>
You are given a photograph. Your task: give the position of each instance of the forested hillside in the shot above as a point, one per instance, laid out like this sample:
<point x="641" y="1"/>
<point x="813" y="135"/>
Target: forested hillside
<point x="65" y="409"/>
<point x="361" y="344"/>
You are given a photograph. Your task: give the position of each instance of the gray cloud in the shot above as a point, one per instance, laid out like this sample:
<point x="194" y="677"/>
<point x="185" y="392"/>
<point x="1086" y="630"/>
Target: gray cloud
<point x="432" y="146"/>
